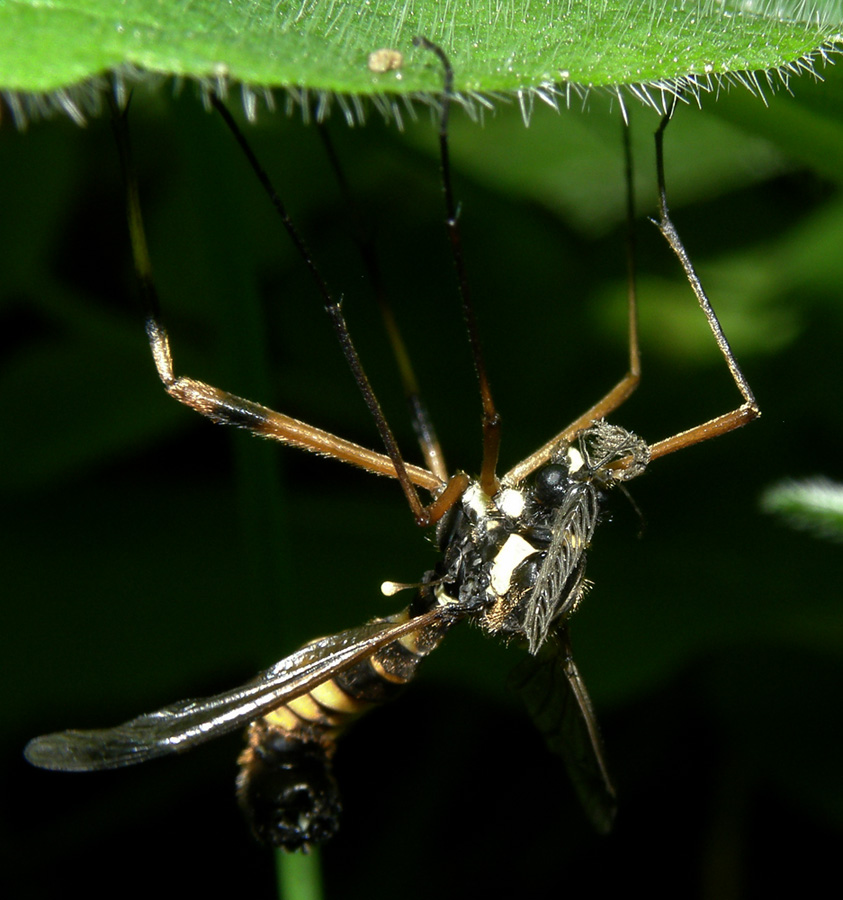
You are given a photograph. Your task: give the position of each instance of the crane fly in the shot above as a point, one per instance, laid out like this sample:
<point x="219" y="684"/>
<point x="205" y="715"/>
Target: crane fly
<point x="513" y="555"/>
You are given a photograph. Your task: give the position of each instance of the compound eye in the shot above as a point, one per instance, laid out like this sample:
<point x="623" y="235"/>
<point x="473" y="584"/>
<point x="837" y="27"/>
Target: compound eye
<point x="551" y="484"/>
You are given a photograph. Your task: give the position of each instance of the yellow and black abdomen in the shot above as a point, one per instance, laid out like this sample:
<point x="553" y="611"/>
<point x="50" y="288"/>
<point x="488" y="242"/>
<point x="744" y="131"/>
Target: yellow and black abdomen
<point x="286" y="787"/>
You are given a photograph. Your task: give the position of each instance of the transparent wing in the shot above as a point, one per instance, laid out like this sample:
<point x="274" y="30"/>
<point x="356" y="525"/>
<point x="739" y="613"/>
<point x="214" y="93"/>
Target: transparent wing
<point x="557" y="591"/>
<point x="190" y="722"/>
<point x="557" y="700"/>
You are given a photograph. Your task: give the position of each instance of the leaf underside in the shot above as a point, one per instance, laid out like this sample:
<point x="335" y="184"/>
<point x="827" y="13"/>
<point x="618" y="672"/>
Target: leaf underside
<point x="535" y="47"/>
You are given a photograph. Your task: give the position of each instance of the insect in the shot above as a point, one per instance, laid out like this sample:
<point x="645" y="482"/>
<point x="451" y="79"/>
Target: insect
<point x="513" y="554"/>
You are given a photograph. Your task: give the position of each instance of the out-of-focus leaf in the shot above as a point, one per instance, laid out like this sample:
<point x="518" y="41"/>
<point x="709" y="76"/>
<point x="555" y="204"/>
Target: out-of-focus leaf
<point x="813" y="504"/>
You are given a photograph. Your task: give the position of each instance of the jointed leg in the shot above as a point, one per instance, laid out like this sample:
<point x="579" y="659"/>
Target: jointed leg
<point x="422" y="423"/>
<point x="423" y="515"/>
<point x="491" y="418"/>
<point x="722" y="424"/>
<point x="625" y="387"/>
<point x="226" y="408"/>
<point x="748" y="410"/>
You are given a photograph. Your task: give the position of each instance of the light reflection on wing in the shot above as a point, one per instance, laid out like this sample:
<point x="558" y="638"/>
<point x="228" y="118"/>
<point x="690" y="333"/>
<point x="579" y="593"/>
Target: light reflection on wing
<point x="191" y="722"/>
<point x="557" y="586"/>
<point x="556" y="698"/>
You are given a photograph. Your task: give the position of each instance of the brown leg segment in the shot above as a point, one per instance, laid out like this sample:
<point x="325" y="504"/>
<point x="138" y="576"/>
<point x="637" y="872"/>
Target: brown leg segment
<point x="226" y="408"/>
<point x="627" y="385"/>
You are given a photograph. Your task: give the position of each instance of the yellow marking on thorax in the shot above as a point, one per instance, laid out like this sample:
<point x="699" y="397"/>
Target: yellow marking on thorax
<point x="509" y="557"/>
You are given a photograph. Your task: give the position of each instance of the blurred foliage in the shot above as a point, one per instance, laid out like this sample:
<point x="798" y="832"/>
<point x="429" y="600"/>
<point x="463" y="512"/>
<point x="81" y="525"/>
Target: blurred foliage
<point x="149" y="555"/>
<point x="812" y="504"/>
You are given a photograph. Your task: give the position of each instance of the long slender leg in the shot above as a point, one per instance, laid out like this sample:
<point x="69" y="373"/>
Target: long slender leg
<point x="491" y="418"/>
<point x="444" y="500"/>
<point x="721" y="424"/>
<point x="624" y="388"/>
<point x="229" y="409"/>
<point x="363" y="236"/>
<point x="748" y="410"/>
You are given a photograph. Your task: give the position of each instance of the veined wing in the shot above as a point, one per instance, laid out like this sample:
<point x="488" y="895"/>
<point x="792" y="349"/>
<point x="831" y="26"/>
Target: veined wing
<point x="191" y="722"/>
<point x="558" y="588"/>
<point x="557" y="700"/>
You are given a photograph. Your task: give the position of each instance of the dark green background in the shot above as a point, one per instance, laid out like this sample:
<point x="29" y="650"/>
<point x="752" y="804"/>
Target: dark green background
<point x="148" y="555"/>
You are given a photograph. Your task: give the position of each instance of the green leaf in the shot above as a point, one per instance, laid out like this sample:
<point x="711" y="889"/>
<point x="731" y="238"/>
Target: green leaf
<point x="814" y="505"/>
<point x="493" y="45"/>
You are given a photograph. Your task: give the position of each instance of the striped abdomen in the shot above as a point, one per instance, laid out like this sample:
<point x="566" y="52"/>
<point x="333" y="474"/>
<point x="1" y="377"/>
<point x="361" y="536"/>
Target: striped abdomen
<point x="286" y="787"/>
